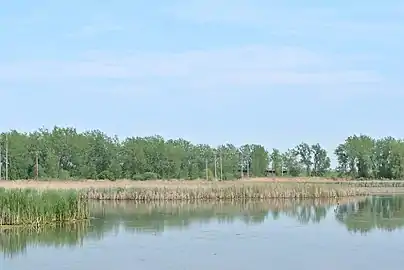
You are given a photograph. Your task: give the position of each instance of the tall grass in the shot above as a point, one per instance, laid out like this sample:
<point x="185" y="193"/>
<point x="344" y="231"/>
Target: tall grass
<point x="225" y="192"/>
<point x="374" y="184"/>
<point x="33" y="207"/>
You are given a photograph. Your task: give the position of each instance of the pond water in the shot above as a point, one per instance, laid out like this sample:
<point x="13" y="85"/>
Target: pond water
<point x="276" y="234"/>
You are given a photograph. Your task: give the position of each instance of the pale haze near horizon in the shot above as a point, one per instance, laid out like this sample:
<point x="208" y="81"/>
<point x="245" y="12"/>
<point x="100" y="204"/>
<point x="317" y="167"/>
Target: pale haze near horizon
<point x="206" y="71"/>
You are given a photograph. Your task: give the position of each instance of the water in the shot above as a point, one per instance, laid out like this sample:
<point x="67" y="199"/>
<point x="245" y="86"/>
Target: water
<point x="278" y="234"/>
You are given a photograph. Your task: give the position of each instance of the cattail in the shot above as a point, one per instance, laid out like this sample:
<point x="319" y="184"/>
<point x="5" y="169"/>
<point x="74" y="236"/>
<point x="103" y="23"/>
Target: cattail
<point x="34" y="207"/>
<point x="225" y="192"/>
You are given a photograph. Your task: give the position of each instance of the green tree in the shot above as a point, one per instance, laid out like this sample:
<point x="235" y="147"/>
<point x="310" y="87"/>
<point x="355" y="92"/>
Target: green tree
<point x="304" y="151"/>
<point x="65" y="153"/>
<point x="321" y="162"/>
<point x="357" y="156"/>
<point x="276" y="161"/>
<point x="259" y="160"/>
<point x="292" y="163"/>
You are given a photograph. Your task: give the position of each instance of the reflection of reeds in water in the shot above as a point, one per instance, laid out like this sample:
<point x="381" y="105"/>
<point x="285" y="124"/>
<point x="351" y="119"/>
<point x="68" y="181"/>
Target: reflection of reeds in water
<point x="226" y="191"/>
<point x="176" y="207"/>
<point x="156" y="216"/>
<point x="15" y="240"/>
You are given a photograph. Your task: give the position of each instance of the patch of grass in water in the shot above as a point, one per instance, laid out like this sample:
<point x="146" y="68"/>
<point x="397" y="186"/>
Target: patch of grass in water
<point x="225" y="191"/>
<point x="36" y="208"/>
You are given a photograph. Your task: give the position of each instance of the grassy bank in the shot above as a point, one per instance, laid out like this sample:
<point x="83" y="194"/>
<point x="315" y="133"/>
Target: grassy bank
<point x="33" y="207"/>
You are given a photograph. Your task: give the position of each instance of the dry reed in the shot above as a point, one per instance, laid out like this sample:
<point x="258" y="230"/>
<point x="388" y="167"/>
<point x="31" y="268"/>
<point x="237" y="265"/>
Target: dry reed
<point x="373" y="184"/>
<point x="225" y="192"/>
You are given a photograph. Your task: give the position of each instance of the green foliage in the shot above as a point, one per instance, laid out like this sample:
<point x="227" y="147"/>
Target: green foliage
<point x="64" y="153"/>
<point x="305" y="153"/>
<point x="363" y="157"/>
<point x="321" y="162"/>
<point x="27" y="206"/>
<point x="150" y="176"/>
<point x="276" y="160"/>
<point x="291" y="163"/>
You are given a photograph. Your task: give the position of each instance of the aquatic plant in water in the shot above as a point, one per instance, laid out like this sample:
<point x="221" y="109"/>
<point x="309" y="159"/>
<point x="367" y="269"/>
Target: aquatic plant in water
<point x="225" y="192"/>
<point x="34" y="207"/>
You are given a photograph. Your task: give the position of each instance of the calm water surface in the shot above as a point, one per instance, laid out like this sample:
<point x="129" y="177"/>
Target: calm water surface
<point x="278" y="234"/>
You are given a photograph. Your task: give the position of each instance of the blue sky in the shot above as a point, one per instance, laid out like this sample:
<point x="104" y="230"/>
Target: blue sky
<point x="312" y="71"/>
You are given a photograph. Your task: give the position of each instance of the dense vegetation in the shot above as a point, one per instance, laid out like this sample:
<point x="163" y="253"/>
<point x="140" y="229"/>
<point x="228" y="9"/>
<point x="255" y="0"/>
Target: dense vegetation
<point x="65" y="153"/>
<point x="226" y="192"/>
<point x="32" y="207"/>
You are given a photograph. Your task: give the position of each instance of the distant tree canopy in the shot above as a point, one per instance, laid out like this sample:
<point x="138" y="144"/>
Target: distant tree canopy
<point x="365" y="157"/>
<point x="65" y="153"/>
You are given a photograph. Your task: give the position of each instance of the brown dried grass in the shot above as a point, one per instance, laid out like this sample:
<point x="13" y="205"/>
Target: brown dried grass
<point x="200" y="189"/>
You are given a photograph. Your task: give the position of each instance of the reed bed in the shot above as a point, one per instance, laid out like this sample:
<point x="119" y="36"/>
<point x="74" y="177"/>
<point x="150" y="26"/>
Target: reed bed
<point x="33" y="207"/>
<point x="373" y="184"/>
<point x="225" y="192"/>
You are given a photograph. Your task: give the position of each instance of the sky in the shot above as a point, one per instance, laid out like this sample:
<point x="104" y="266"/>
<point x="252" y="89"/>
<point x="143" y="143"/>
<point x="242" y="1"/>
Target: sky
<point x="214" y="72"/>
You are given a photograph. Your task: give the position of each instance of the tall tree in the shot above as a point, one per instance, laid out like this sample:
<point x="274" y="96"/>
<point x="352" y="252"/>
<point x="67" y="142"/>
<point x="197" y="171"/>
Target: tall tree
<point x="276" y="161"/>
<point x="292" y="163"/>
<point x="63" y="152"/>
<point x="321" y="162"/>
<point x="306" y="158"/>
<point x="259" y="160"/>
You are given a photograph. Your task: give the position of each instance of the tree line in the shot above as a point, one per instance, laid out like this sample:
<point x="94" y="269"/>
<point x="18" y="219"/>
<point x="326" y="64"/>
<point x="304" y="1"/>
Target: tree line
<point x="65" y="153"/>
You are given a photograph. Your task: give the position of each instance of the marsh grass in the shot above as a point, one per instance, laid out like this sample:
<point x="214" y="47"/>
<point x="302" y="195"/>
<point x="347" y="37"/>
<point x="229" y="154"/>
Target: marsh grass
<point x="33" y="207"/>
<point x="373" y="184"/>
<point x="225" y="191"/>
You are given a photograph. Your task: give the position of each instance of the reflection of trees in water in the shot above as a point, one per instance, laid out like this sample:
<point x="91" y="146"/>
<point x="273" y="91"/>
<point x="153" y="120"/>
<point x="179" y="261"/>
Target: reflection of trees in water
<point x="155" y="218"/>
<point x="308" y="213"/>
<point x="379" y="212"/>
